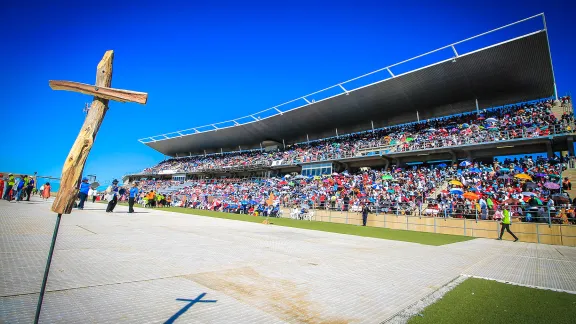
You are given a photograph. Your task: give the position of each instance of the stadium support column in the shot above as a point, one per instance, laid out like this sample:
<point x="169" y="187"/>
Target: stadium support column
<point x="307" y="138"/>
<point x="549" y="151"/>
<point x="336" y="132"/>
<point x="283" y="144"/>
<point x="477" y="107"/>
<point x="453" y="155"/>
<point x="372" y="122"/>
<point x="570" y="142"/>
<point x="550" y="56"/>
<point x="417" y="116"/>
<point x="386" y="163"/>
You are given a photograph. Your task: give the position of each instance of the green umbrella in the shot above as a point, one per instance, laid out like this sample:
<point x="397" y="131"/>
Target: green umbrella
<point x="538" y="201"/>
<point x="387" y="177"/>
<point x="409" y="139"/>
<point x="554" y="176"/>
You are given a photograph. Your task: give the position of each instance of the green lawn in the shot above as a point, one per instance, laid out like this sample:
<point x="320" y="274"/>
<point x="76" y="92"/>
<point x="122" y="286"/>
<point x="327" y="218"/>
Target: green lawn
<point x="486" y="301"/>
<point x="383" y="233"/>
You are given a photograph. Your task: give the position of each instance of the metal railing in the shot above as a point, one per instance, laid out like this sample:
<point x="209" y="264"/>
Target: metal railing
<point x="342" y="86"/>
<point x="539" y="224"/>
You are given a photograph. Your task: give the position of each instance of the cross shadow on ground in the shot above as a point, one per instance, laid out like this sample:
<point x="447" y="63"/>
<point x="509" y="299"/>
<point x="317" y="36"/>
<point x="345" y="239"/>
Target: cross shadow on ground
<point x="191" y="303"/>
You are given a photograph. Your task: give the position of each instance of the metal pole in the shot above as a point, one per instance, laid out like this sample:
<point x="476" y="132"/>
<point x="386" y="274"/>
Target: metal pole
<point x="372" y="122"/>
<point x="477" y="107"/>
<point x="47" y="269"/>
<point x="550" y="56"/>
<point x="307" y="138"/>
<point x="417" y="115"/>
<point x="336" y="132"/>
<point x="283" y="144"/>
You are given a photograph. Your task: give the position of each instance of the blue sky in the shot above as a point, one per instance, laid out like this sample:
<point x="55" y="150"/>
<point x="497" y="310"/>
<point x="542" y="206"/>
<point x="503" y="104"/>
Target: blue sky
<point x="203" y="62"/>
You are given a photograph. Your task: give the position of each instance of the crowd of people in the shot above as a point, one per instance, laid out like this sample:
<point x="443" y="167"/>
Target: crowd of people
<point x="21" y="187"/>
<point x="498" y="124"/>
<point x="529" y="189"/>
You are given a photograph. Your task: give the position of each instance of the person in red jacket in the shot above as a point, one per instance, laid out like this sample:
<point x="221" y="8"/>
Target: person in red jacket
<point x="1" y="184"/>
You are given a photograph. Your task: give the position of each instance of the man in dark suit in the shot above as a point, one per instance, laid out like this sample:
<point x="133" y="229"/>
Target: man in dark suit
<point x="365" y="211"/>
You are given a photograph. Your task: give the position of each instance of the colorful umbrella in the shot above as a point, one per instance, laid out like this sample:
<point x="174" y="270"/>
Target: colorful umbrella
<point x="561" y="199"/>
<point x="552" y="185"/>
<point x="504" y="169"/>
<point x="387" y="177"/>
<point x="529" y="194"/>
<point x="470" y="195"/>
<point x="491" y="120"/>
<point x="456" y="183"/>
<point x="474" y="170"/>
<point x="465" y="163"/>
<point x="523" y="176"/>
<point x="456" y="191"/>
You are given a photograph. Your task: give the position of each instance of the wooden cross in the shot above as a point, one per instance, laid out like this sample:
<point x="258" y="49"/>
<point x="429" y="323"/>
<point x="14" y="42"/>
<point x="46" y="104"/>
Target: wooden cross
<point x="74" y="164"/>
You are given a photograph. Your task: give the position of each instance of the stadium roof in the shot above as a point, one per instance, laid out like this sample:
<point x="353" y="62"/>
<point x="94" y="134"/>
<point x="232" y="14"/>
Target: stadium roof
<point x="512" y="71"/>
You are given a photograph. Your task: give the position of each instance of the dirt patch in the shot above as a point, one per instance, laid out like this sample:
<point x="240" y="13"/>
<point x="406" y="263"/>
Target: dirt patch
<point x="279" y="297"/>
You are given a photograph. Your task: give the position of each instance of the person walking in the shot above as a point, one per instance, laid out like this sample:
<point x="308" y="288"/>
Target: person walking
<point x="506" y="222"/>
<point x="112" y="192"/>
<point x="133" y="196"/>
<point x="19" y="188"/>
<point x="2" y="185"/>
<point x="94" y="195"/>
<point x="9" y="185"/>
<point x="365" y="211"/>
<point x="46" y="191"/>
<point x="83" y="194"/>
<point x="29" y="188"/>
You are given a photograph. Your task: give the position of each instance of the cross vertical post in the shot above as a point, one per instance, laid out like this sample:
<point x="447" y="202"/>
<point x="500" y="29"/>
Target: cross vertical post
<point x="76" y="159"/>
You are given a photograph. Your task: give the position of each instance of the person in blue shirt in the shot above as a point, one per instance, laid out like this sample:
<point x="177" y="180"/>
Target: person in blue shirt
<point x="83" y="194"/>
<point x="19" y="188"/>
<point x="133" y="196"/>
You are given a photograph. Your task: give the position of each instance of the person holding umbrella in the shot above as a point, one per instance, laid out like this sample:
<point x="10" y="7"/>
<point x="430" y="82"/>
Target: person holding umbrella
<point x="506" y="222"/>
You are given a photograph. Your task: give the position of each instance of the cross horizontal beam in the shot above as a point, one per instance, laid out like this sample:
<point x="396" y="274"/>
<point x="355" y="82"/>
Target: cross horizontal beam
<point x="100" y="92"/>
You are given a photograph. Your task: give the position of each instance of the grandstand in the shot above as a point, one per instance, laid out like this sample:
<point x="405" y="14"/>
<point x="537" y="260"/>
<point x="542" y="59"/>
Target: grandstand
<point x="417" y="132"/>
<point x="512" y="73"/>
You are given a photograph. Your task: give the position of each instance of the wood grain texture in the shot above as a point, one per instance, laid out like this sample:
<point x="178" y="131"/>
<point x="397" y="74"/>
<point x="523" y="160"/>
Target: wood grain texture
<point x="101" y="92"/>
<point x="76" y="159"/>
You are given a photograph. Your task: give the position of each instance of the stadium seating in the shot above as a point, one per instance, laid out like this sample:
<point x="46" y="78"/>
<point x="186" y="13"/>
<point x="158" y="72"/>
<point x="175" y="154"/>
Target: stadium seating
<point x="469" y="190"/>
<point x="511" y="122"/>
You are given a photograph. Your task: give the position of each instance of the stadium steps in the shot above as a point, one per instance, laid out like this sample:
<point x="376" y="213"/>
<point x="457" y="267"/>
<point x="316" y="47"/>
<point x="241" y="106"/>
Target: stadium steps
<point x="571" y="175"/>
<point x="438" y="190"/>
<point x="559" y="110"/>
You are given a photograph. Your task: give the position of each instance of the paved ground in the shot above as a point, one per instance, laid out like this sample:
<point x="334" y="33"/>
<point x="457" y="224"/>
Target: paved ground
<point x="132" y="268"/>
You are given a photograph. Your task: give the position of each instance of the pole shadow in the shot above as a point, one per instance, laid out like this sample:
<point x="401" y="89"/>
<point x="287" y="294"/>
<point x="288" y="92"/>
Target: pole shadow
<point x="191" y="303"/>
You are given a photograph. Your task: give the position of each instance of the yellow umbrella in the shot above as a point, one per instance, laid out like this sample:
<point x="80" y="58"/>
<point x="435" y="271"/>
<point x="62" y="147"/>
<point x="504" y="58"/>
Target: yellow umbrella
<point x="456" y="182"/>
<point x="523" y="176"/>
